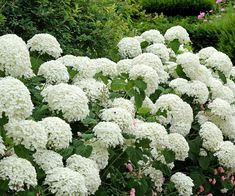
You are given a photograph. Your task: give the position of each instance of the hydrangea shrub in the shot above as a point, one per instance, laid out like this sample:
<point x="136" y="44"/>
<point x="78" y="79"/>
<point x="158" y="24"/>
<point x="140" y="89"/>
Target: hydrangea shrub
<point x="161" y="121"/>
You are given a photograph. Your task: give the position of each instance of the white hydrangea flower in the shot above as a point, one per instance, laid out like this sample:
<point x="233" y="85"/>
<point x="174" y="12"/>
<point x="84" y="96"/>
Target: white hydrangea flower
<point x="29" y="133"/>
<point x="147" y="103"/>
<point x="156" y="176"/>
<point x="118" y="115"/>
<point x="14" y="56"/>
<point x="211" y="136"/>
<point x="124" y="66"/>
<point x="15" y="100"/>
<point x="179" y="145"/>
<point x="19" y="172"/>
<point x="106" y="66"/>
<point x="154" y="132"/>
<point x="221" y="108"/>
<point x="154" y="62"/>
<point x="232" y="73"/>
<point x="221" y="62"/>
<point x="109" y="133"/>
<point x="48" y="159"/>
<point x="99" y="153"/>
<point x="202" y="152"/>
<point x="149" y="76"/>
<point x="129" y="47"/>
<point x="125" y="104"/>
<point x="65" y="182"/>
<point x="218" y="90"/>
<point x="45" y="43"/>
<point x="177" y="32"/>
<point x="69" y="60"/>
<point x="194" y="88"/>
<point x="192" y="67"/>
<point x="153" y="36"/>
<point x="54" y="72"/>
<point x="183" y="184"/>
<point x="68" y="99"/>
<point x="173" y="105"/>
<point x="95" y="90"/>
<point x="88" y="168"/>
<point x="205" y="53"/>
<point x="2" y="147"/>
<point x="201" y="117"/>
<point x="139" y="38"/>
<point x="59" y="132"/>
<point x="231" y="85"/>
<point x="160" y="50"/>
<point x="183" y="49"/>
<point x="226" y="154"/>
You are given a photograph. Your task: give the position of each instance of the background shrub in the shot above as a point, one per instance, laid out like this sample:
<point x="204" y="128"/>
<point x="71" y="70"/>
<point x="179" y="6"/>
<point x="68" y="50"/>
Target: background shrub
<point x="177" y="7"/>
<point x="82" y="27"/>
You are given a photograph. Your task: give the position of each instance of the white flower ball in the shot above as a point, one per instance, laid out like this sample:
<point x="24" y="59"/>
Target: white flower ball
<point x="106" y="66"/>
<point x="68" y="99"/>
<point x="129" y="47"/>
<point x="19" y="172"/>
<point x="108" y="133"/>
<point x="125" y="104"/>
<point x="59" y="132"/>
<point x="48" y="159"/>
<point x="183" y="184"/>
<point x="88" y="168"/>
<point x="177" y="32"/>
<point x="65" y="182"/>
<point x="124" y="66"/>
<point x="29" y="133"/>
<point x="45" y="43"/>
<point x="14" y="57"/>
<point x="15" y="100"/>
<point x="160" y="50"/>
<point x="54" y="72"/>
<point x="153" y="36"/>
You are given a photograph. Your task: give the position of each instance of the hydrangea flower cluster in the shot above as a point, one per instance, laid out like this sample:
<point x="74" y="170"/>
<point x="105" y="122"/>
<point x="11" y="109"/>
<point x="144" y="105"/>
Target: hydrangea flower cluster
<point x="153" y="123"/>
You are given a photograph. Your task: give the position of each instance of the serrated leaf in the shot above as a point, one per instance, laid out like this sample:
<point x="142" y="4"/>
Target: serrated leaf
<point x="180" y="72"/>
<point x="204" y="162"/>
<point x="23" y="152"/>
<point x="118" y="84"/>
<point x="139" y="98"/>
<point x="174" y="45"/>
<point x="84" y="150"/>
<point x="164" y="168"/>
<point x="195" y="145"/>
<point x="169" y="155"/>
<point x="143" y="111"/>
<point x="134" y="154"/>
<point x="140" y="84"/>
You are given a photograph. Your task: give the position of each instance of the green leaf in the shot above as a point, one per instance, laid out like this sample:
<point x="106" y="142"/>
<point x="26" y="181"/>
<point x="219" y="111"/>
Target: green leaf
<point x="198" y="178"/>
<point x="84" y="150"/>
<point x="67" y="152"/>
<point x="4" y="186"/>
<point x="169" y="155"/>
<point x="87" y="136"/>
<point x="204" y="162"/>
<point x="164" y="168"/>
<point x="144" y="143"/>
<point x="227" y="184"/>
<point x="144" y="44"/>
<point x="195" y="145"/>
<point x="118" y="84"/>
<point x="174" y="45"/>
<point x="139" y="98"/>
<point x="143" y="111"/>
<point x="222" y="77"/>
<point x="169" y="187"/>
<point x="180" y="72"/>
<point x="134" y="154"/>
<point x="140" y="84"/>
<point x="23" y="152"/>
<point x="72" y="72"/>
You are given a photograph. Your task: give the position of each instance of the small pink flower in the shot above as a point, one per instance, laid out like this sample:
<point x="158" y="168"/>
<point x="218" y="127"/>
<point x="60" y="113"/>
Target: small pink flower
<point x="210" y="194"/>
<point x="132" y="192"/>
<point x="210" y="180"/>
<point x="219" y="1"/>
<point x="232" y="178"/>
<point x="129" y="167"/>
<point x="201" y="15"/>
<point x="201" y="189"/>
<point x="221" y="169"/>
<point x="213" y="181"/>
<point x="222" y="9"/>
<point x="222" y="178"/>
<point x="233" y="182"/>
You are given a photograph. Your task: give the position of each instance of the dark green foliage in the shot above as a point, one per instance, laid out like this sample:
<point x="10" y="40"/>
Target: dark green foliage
<point x="82" y="27"/>
<point x="178" y="7"/>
